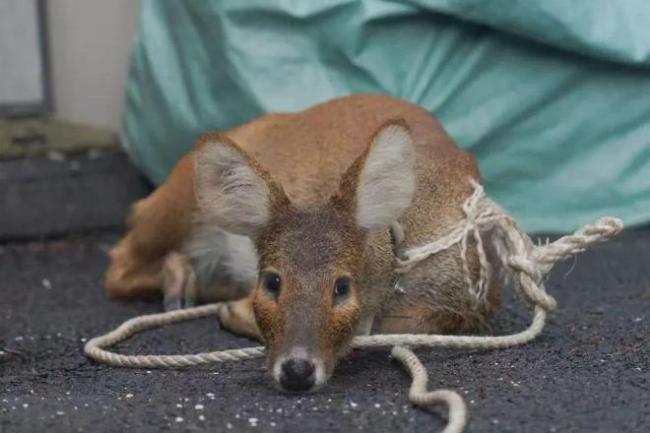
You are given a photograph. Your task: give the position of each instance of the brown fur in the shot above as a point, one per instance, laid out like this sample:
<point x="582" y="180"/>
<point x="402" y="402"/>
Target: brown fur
<point x="304" y="314"/>
<point x="306" y="160"/>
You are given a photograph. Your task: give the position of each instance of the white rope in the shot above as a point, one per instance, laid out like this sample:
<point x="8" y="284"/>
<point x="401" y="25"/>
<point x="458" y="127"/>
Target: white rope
<point x="94" y="347"/>
<point x="419" y="395"/>
<point x="517" y="259"/>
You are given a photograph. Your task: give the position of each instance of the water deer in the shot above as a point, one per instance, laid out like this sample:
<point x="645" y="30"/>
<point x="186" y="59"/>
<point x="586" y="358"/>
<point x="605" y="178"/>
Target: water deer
<point x="286" y="220"/>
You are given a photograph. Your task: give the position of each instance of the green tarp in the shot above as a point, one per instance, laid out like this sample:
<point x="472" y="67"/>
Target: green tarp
<point x="551" y="96"/>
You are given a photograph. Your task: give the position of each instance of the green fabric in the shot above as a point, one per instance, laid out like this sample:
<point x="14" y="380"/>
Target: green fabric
<point x="552" y="97"/>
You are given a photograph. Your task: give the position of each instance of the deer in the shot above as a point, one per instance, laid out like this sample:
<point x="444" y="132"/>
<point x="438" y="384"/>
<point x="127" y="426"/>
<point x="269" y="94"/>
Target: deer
<point x="286" y="220"/>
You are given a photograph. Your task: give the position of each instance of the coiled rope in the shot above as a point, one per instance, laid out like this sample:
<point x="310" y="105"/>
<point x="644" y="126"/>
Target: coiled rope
<point x="516" y="260"/>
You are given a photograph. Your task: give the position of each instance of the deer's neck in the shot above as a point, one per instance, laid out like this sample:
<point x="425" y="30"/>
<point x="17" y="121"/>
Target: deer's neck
<point x="377" y="276"/>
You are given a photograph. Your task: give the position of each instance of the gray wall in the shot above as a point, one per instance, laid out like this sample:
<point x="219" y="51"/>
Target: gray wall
<point x="20" y="56"/>
<point x="90" y="42"/>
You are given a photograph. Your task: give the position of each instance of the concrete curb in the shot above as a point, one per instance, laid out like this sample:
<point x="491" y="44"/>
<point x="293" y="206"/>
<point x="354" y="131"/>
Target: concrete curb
<point x="58" y="195"/>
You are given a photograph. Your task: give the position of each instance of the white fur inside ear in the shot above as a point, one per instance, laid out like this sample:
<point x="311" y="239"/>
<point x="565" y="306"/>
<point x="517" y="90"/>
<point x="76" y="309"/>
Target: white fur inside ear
<point x="229" y="191"/>
<point x="387" y="181"/>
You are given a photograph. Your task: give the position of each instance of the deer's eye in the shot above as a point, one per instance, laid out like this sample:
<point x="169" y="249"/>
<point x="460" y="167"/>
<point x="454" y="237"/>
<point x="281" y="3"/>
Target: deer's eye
<point x="341" y="288"/>
<point x="271" y="282"/>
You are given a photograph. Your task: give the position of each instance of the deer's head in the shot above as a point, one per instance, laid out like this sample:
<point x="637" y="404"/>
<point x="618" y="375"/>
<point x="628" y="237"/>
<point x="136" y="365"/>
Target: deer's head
<point x="308" y="300"/>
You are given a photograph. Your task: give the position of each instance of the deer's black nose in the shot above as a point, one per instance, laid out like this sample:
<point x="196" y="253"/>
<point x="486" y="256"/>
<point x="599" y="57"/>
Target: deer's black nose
<point x="297" y="374"/>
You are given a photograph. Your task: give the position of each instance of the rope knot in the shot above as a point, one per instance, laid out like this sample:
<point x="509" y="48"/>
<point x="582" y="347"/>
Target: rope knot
<point x="527" y="266"/>
<point x="529" y="282"/>
<point x="516" y="260"/>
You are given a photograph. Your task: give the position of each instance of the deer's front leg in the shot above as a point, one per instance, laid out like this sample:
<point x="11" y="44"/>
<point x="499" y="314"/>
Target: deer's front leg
<point x="178" y="282"/>
<point x="238" y="317"/>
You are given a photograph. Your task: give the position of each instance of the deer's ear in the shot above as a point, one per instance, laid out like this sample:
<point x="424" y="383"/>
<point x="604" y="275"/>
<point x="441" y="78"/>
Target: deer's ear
<point x="231" y="188"/>
<point x="381" y="182"/>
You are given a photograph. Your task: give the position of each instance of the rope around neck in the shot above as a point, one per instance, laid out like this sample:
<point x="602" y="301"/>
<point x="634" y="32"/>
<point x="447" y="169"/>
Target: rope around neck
<point x="517" y="261"/>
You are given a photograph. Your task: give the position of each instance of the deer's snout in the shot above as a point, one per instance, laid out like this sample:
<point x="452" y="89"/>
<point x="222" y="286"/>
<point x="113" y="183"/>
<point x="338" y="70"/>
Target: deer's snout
<point x="297" y="374"/>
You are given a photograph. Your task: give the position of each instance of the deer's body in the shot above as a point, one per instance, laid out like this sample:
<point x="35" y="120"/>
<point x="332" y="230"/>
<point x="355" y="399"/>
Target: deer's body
<point x="174" y="241"/>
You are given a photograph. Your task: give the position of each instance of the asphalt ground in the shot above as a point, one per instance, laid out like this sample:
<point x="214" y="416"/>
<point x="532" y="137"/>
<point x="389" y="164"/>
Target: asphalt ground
<point x="589" y="371"/>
